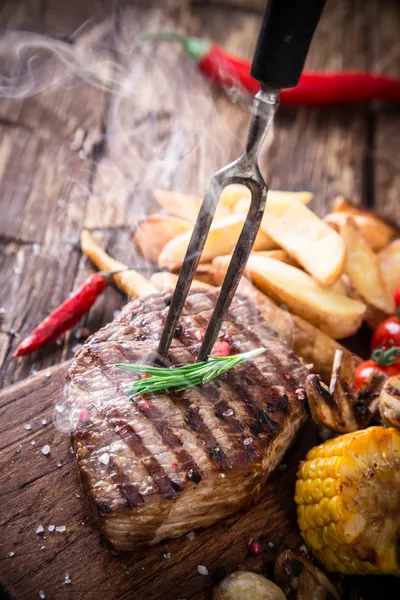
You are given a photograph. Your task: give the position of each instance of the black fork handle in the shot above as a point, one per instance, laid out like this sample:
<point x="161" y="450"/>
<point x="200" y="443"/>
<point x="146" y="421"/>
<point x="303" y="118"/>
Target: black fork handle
<point x="285" y="37"/>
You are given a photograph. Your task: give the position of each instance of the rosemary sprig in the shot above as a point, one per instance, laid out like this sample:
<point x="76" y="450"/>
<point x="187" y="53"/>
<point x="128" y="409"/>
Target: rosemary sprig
<point x="180" y="378"/>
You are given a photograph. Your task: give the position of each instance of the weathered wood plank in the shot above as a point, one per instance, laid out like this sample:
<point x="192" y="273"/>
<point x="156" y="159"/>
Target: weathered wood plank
<point x="385" y="58"/>
<point x="44" y="184"/>
<point x="317" y="149"/>
<point x="44" y="490"/>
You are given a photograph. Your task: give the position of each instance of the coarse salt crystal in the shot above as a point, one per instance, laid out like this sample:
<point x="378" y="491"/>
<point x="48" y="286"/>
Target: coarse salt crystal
<point x="46" y="450"/>
<point x="27" y="426"/>
<point x="33" y="443"/>
<point x="202" y="570"/>
<point x="2" y="311"/>
<point x="67" y="581"/>
<point x="36" y="247"/>
<point x="77" y="495"/>
<point x="167" y="555"/>
<point x="44" y="422"/>
<point x="228" y="413"/>
<point x="271" y="544"/>
<point x="247" y="441"/>
<point x="51" y="528"/>
<point x="43" y="547"/>
<point x="191" y="535"/>
<point x="39" y="529"/>
<point x="17" y="270"/>
<point x="47" y="374"/>
<point x="59" y="408"/>
<point x="66" y="576"/>
<point x="18" y="450"/>
<point x="41" y="595"/>
<point x="11" y="554"/>
<point x="61" y="528"/>
<point x="303" y="548"/>
<point x="104" y="458"/>
<point x="59" y="465"/>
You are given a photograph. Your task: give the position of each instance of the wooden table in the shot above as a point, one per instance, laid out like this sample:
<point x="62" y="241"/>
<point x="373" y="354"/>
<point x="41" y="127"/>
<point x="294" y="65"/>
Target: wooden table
<point x="173" y="134"/>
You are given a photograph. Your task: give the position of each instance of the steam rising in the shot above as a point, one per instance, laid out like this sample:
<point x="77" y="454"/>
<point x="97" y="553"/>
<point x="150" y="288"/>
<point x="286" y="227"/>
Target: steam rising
<point x="161" y="128"/>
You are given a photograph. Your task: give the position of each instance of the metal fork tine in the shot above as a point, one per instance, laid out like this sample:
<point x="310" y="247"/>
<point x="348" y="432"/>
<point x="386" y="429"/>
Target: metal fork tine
<point x="244" y="170"/>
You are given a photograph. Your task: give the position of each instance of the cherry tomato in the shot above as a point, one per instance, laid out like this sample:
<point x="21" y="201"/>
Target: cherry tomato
<point x="364" y="370"/>
<point x="387" y="334"/>
<point x="397" y="300"/>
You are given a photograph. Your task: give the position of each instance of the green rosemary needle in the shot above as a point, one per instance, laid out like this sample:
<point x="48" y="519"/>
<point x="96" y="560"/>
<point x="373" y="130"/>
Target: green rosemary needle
<point x="180" y="378"/>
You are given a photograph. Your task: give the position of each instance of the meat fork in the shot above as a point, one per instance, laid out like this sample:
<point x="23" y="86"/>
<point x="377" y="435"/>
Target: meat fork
<point x="286" y="33"/>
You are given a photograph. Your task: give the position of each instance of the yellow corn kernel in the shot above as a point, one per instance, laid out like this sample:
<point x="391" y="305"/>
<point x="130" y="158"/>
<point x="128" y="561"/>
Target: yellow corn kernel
<point x="347" y="492"/>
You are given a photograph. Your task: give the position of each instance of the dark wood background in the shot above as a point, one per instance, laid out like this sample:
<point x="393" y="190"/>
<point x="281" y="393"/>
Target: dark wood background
<point x="49" y="191"/>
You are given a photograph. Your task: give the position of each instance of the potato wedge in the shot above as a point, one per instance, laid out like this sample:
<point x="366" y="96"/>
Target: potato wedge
<point x="185" y="205"/>
<point x="131" y="282"/>
<point x="315" y="245"/>
<point x="314" y="346"/>
<point x="389" y="265"/>
<point x="342" y="205"/>
<point x="362" y="267"/>
<point x="222" y="238"/>
<point x="333" y="313"/>
<point x="154" y="231"/>
<point x="236" y="192"/>
<point x="165" y="281"/>
<point x="220" y="264"/>
<point x="376" y="233"/>
<point x="205" y="273"/>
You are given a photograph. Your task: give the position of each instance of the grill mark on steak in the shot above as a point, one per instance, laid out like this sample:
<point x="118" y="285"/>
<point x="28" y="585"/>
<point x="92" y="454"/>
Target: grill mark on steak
<point x="257" y="424"/>
<point x="128" y="435"/>
<point x="134" y="442"/>
<point x="170" y="439"/>
<point x="126" y="488"/>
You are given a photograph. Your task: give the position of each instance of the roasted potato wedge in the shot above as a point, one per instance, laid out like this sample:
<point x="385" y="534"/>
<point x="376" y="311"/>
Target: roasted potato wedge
<point x="131" y="282"/>
<point x="342" y="205"/>
<point x="376" y="233"/>
<point x="236" y="192"/>
<point x="185" y="205"/>
<point x="335" y="314"/>
<point x="316" y="246"/>
<point x="153" y="232"/>
<point x="164" y="281"/>
<point x="362" y="267"/>
<point x="220" y="264"/>
<point x="389" y="265"/>
<point x="221" y="239"/>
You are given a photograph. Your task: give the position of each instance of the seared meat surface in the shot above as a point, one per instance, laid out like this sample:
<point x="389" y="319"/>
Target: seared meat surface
<point x="176" y="461"/>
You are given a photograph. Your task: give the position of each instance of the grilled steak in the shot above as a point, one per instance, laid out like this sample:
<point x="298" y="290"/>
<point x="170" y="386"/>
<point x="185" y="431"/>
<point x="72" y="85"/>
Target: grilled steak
<point x="181" y="460"/>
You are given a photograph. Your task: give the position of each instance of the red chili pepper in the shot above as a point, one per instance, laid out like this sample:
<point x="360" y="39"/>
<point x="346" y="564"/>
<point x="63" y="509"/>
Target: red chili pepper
<point x="65" y="316"/>
<point x="313" y="89"/>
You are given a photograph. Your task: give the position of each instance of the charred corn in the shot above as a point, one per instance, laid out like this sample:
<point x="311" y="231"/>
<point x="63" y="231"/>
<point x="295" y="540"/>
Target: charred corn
<point x="348" y="497"/>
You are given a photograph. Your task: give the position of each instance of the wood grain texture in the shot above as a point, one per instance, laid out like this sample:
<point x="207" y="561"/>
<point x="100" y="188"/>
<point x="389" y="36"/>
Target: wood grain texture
<point x="50" y="191"/>
<point x="44" y="490"/>
<point x="174" y="129"/>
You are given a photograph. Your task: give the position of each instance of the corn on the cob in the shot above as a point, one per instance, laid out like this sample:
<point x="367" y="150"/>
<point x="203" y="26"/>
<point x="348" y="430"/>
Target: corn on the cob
<point x="348" y="497"/>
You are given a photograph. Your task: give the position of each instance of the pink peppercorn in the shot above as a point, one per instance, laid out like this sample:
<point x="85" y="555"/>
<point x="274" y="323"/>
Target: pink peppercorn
<point x="255" y="548"/>
<point x="221" y="349"/>
<point x="84" y="414"/>
<point x="144" y="405"/>
<point x="174" y="465"/>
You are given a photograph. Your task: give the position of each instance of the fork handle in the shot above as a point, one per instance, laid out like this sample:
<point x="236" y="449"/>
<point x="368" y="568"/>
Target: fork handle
<point x="285" y="36"/>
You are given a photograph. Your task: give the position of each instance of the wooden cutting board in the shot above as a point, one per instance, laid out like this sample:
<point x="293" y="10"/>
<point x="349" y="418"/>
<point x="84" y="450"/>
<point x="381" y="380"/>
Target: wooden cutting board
<point x="44" y="490"/>
<point x="38" y="490"/>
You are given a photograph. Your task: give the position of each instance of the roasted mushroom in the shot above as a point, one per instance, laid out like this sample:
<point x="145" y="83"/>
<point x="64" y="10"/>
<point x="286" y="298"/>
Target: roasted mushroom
<point x="338" y="407"/>
<point x="389" y="402"/>
<point x="294" y="572"/>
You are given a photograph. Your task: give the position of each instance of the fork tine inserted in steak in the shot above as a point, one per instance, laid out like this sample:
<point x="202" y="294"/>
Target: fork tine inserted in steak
<point x="181" y="460"/>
